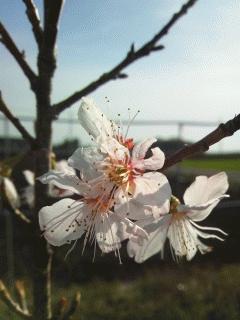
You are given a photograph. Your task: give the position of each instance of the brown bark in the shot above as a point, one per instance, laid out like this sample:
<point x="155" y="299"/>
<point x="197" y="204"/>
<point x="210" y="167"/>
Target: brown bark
<point x="33" y="17"/>
<point x="42" y="253"/>
<point x="224" y="130"/>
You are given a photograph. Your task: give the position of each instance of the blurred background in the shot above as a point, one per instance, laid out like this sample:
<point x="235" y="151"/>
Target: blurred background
<point x="183" y="93"/>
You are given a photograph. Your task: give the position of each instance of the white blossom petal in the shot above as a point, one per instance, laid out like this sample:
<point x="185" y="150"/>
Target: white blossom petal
<point x="114" y="149"/>
<point x="125" y="205"/>
<point x="84" y="159"/>
<point x="200" y="212"/>
<point x="94" y="121"/>
<point x="150" y="197"/>
<point x="106" y="233"/>
<point x="140" y="149"/>
<point x="182" y="237"/>
<point x="205" y="191"/>
<point x="153" y="188"/>
<point x="131" y="230"/>
<point x="62" y="165"/>
<point x="64" y="181"/>
<point x="155" y="243"/>
<point x="156" y="161"/>
<point x="61" y="222"/>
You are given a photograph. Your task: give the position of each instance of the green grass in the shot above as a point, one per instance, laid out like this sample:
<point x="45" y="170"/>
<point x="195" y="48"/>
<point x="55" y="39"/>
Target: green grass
<point x="216" y="164"/>
<point x="183" y="292"/>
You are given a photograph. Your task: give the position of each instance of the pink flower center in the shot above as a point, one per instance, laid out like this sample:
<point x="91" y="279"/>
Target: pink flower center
<point x="99" y="205"/>
<point x="176" y="216"/>
<point x="126" y="142"/>
<point x="121" y="172"/>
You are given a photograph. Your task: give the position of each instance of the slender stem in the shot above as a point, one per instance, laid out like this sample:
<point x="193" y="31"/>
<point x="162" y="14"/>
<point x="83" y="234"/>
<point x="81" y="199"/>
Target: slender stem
<point x="224" y="130"/>
<point x="21" y="293"/>
<point x="132" y="56"/>
<point x="33" y="17"/>
<point x="13" y="305"/>
<point x="19" y="56"/>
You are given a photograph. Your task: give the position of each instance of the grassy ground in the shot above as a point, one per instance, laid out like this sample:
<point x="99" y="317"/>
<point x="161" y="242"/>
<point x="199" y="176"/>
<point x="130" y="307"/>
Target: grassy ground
<point x="182" y="292"/>
<point x="216" y="164"/>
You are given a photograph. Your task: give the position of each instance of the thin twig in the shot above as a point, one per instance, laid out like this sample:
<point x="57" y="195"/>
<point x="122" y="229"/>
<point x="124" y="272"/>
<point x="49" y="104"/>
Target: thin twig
<point x="33" y="17"/>
<point x="13" y="305"/>
<point x="19" y="56"/>
<point x="15" y="121"/>
<point x="22" y="216"/>
<point x="73" y="307"/>
<point x="21" y="293"/>
<point x="224" y="130"/>
<point x="132" y="56"/>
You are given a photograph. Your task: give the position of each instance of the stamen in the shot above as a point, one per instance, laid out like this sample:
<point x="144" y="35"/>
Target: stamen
<point x="71" y="249"/>
<point x="130" y="122"/>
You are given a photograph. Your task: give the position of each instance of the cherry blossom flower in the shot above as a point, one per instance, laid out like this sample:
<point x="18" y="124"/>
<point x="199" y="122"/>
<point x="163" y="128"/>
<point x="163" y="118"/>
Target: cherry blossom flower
<point x="91" y="214"/>
<point x="137" y="192"/>
<point x="180" y="226"/>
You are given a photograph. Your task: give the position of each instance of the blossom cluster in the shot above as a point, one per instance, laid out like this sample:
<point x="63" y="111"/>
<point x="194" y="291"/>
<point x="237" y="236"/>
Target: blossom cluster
<point x="118" y="193"/>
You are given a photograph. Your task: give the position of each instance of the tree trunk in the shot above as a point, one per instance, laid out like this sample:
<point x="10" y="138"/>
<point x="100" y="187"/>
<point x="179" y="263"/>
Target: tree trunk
<point x="42" y="253"/>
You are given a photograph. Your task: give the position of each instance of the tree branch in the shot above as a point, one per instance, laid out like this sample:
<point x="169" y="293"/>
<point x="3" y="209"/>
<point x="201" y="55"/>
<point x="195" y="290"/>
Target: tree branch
<point x="33" y="17"/>
<point x="224" y="130"/>
<point x="52" y="11"/>
<point x="9" y="43"/>
<point x="13" y="306"/>
<point x="132" y="56"/>
<point x="15" y="121"/>
<point x="46" y="59"/>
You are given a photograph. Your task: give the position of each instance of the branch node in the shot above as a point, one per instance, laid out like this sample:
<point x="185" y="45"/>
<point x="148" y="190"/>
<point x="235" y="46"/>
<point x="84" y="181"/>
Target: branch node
<point x="13" y="305"/>
<point x="157" y="48"/>
<point x="121" y="76"/>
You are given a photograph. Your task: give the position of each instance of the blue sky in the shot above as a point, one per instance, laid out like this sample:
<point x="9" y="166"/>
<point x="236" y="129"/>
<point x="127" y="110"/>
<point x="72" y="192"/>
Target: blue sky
<point x="196" y="77"/>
